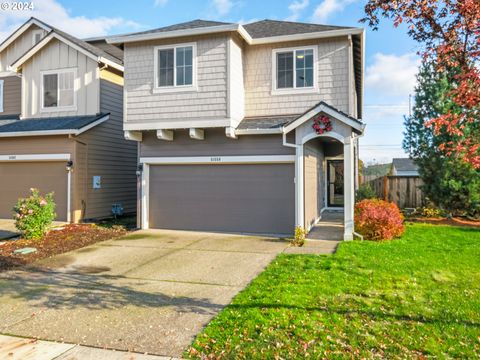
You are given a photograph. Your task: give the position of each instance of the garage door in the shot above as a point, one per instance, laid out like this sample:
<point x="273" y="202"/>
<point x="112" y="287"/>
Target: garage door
<point x="16" y="179"/>
<point x="233" y="198"/>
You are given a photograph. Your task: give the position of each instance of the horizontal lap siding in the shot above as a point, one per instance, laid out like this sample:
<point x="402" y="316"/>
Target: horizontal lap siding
<point x="57" y="55"/>
<point x="332" y="70"/>
<point x="314" y="180"/>
<point x="111" y="157"/>
<point x="36" y="145"/>
<point x="215" y="143"/>
<point x="12" y="95"/>
<point x="208" y="103"/>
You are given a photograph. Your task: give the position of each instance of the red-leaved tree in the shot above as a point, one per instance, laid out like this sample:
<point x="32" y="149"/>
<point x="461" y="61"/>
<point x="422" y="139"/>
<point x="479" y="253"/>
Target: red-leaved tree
<point x="449" y="34"/>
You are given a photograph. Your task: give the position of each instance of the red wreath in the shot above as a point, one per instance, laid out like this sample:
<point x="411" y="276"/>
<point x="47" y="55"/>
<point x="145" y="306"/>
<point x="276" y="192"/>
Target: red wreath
<point x="322" y="124"/>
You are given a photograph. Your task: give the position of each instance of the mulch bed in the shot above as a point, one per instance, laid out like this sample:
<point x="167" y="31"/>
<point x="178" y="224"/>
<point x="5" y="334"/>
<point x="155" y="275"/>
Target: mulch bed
<point x="67" y="238"/>
<point x="456" y="221"/>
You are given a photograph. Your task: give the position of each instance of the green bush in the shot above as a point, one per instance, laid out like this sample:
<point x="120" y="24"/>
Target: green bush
<point x="34" y="214"/>
<point x="365" y="191"/>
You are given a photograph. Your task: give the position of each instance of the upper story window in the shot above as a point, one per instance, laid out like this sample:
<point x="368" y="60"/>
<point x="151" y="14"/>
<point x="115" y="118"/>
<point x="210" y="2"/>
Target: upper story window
<point x="37" y="35"/>
<point x="175" y="67"/>
<point x="294" y="69"/>
<point x="58" y="90"/>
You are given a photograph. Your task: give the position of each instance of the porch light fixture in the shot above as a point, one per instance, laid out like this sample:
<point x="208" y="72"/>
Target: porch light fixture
<point x="69" y="165"/>
<point x="139" y="169"/>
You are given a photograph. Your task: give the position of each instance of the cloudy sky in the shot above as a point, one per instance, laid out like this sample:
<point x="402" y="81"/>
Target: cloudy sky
<point x="391" y="60"/>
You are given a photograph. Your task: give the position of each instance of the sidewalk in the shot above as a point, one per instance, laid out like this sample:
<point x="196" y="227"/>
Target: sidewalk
<point x="15" y="348"/>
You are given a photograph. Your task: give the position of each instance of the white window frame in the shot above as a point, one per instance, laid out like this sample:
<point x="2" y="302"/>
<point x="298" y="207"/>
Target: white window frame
<point x="175" y="88"/>
<point x="295" y="89"/>
<point x="34" y="33"/>
<point x="2" y="96"/>
<point x="75" y="89"/>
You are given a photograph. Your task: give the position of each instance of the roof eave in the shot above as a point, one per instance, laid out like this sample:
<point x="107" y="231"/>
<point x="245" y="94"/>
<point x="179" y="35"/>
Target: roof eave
<point x="53" y="35"/>
<point x="21" y="30"/>
<point x="172" y="34"/>
<point x="307" y="36"/>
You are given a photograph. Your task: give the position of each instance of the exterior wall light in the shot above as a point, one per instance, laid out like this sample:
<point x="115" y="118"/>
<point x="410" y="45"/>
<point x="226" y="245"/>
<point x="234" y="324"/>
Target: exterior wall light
<point x="139" y="169"/>
<point x="69" y="165"/>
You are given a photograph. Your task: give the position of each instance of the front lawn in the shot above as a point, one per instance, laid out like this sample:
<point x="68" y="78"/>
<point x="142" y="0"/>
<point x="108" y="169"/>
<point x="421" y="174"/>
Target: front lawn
<point x="410" y="298"/>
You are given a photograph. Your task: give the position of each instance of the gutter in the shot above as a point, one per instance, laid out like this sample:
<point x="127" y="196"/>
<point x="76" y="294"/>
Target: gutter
<point x="233" y="28"/>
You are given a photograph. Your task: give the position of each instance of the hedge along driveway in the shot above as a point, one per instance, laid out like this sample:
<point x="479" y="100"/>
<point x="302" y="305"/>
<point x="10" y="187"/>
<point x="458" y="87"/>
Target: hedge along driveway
<point x="409" y="298"/>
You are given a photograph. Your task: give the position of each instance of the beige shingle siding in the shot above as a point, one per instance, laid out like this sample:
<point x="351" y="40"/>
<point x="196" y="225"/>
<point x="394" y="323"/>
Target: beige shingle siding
<point x="57" y="55"/>
<point x="17" y="48"/>
<point x="12" y="95"/>
<point x="111" y="157"/>
<point x="208" y="103"/>
<point x="332" y="79"/>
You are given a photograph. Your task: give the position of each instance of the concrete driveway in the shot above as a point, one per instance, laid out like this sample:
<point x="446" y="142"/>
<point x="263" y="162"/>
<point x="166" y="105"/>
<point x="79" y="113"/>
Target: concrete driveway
<point x="150" y="292"/>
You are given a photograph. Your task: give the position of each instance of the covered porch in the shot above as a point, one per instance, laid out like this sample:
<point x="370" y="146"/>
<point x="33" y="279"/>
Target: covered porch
<point x="326" y="170"/>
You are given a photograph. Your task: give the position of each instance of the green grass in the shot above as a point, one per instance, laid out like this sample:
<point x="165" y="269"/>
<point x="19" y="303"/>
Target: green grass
<point x="410" y="298"/>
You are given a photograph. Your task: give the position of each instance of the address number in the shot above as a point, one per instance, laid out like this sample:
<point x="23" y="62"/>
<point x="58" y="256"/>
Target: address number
<point x="12" y="157"/>
<point x="215" y="159"/>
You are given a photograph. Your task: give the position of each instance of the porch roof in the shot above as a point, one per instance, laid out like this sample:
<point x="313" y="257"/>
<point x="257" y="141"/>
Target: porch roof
<point x="64" y="125"/>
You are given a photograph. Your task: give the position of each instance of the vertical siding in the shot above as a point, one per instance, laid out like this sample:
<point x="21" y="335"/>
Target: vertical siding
<point x="57" y="55"/>
<point x="208" y="103"/>
<point x="314" y="181"/>
<point x="332" y="77"/>
<point x="111" y="157"/>
<point x="235" y="82"/>
<point x="12" y="95"/>
<point x="17" y="48"/>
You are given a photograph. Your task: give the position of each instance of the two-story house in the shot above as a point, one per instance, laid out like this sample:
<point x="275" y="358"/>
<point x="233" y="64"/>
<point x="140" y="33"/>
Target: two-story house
<point x="61" y="124"/>
<point x="244" y="128"/>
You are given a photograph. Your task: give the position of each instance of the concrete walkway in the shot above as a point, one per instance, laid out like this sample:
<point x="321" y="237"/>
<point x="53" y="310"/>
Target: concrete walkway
<point x="324" y="238"/>
<point x="15" y="348"/>
<point x="7" y="229"/>
<point x="149" y="292"/>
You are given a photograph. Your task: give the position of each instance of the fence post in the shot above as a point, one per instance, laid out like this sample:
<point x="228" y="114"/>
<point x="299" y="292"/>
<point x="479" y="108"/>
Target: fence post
<point x="385" y="188"/>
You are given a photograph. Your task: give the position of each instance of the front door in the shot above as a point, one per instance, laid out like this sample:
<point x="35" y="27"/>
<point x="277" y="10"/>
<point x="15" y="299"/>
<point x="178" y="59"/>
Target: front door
<point x="335" y="183"/>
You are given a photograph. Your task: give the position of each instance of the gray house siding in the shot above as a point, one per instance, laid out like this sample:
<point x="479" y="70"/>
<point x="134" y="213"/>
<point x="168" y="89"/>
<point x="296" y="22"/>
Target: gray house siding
<point x="314" y="181"/>
<point x="111" y="157"/>
<point x="12" y="95"/>
<point x="215" y="143"/>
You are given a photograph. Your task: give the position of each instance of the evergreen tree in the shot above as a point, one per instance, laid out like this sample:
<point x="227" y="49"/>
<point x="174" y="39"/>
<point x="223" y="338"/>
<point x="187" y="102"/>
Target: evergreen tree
<point x="449" y="182"/>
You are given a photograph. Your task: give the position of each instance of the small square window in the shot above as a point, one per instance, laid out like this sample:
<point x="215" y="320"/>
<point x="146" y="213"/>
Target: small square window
<point x="295" y="69"/>
<point x="175" y="66"/>
<point x="58" y="89"/>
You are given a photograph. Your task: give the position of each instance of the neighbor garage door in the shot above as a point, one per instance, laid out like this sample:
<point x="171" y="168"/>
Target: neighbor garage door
<point x="233" y="198"/>
<point x="16" y="179"/>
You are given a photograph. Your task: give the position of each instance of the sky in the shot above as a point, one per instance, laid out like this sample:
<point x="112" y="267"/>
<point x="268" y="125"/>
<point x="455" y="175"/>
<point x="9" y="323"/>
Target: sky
<point x="391" y="59"/>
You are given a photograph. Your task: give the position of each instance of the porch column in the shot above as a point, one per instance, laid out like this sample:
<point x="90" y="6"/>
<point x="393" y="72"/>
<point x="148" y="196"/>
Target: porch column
<point x="349" y="187"/>
<point x="299" y="196"/>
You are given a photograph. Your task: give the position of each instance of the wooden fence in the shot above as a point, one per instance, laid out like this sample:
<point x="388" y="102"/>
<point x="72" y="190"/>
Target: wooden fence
<point x="402" y="190"/>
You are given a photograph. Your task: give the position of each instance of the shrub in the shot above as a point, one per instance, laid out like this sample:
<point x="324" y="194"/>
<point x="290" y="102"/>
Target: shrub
<point x="378" y="220"/>
<point x="365" y="191"/>
<point x="34" y="214"/>
<point x="299" y="237"/>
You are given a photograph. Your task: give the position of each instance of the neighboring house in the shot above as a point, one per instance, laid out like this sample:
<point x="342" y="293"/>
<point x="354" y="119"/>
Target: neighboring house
<point x="404" y="167"/>
<point x="61" y="124"/>
<point x="223" y="115"/>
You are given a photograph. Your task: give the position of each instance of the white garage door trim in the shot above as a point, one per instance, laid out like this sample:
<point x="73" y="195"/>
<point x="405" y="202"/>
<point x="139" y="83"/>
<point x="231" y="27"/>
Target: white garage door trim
<point x="205" y="160"/>
<point x="45" y="157"/>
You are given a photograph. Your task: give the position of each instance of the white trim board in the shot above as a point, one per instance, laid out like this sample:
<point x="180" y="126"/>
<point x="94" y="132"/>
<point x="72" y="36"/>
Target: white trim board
<point x="218" y="160"/>
<point x="34" y="157"/>
<point x="52" y="35"/>
<point x="21" y="30"/>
